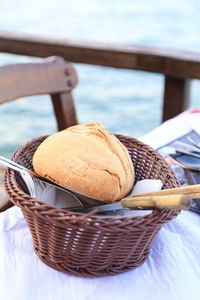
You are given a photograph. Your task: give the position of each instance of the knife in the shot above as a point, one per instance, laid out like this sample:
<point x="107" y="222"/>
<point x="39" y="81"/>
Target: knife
<point x="174" y="198"/>
<point x="185" y="148"/>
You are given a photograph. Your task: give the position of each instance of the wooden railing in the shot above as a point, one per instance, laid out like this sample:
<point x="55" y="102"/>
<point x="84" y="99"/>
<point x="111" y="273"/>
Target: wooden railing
<point x="178" y="67"/>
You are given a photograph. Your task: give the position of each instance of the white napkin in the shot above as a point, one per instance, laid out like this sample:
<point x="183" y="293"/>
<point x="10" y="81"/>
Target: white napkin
<point x="147" y="186"/>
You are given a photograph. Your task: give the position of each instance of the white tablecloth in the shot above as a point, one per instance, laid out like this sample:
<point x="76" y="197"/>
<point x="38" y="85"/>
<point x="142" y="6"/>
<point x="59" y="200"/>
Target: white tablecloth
<point x="172" y="271"/>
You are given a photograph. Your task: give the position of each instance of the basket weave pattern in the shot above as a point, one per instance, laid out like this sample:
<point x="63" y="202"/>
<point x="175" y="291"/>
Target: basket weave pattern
<point x="88" y="244"/>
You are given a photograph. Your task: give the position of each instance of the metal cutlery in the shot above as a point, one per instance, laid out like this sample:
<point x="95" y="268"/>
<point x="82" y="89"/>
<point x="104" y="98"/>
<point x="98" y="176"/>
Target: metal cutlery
<point x="26" y="175"/>
<point x="185" y="148"/>
<point x="43" y="189"/>
<point x="186" y="161"/>
<point x="143" y="203"/>
<point x="193" y="142"/>
<point x="186" y="155"/>
<point x="175" y="198"/>
<point x="179" y="198"/>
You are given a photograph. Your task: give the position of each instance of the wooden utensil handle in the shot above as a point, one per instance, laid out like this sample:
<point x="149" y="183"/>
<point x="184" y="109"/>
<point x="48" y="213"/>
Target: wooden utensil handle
<point x="159" y="201"/>
<point x="184" y="190"/>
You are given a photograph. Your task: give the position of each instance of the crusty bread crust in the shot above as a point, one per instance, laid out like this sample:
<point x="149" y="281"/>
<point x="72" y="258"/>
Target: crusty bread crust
<point x="86" y="159"/>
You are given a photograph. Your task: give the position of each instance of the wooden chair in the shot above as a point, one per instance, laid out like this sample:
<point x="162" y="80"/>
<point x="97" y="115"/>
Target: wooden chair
<point x="53" y="76"/>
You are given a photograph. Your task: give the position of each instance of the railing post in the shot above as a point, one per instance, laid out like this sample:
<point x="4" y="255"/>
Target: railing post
<point x="64" y="110"/>
<point x="176" y="95"/>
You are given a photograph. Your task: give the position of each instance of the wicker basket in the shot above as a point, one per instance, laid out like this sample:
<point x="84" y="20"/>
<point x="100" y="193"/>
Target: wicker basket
<point x="88" y="244"/>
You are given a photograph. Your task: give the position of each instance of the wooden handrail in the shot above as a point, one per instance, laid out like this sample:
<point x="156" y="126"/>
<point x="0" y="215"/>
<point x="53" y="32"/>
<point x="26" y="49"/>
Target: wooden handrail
<point x="168" y="62"/>
<point x="176" y="66"/>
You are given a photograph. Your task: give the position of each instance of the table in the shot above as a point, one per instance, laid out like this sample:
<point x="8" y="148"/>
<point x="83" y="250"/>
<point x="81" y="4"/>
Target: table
<point x="172" y="270"/>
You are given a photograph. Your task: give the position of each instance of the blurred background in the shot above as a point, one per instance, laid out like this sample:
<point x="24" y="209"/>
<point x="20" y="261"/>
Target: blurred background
<point x="126" y="102"/>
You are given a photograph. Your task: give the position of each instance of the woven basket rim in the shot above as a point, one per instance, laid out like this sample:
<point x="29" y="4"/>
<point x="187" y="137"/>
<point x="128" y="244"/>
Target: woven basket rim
<point x="60" y="216"/>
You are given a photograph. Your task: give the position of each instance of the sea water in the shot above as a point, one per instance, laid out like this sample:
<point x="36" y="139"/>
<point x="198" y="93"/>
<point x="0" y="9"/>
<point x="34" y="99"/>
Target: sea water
<point x="127" y="102"/>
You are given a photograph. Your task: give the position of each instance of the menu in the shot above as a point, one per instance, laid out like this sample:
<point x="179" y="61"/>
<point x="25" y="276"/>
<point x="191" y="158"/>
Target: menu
<point x="181" y="162"/>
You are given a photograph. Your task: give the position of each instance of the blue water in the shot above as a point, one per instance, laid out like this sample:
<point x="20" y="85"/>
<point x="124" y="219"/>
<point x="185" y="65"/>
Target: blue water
<point x="128" y="102"/>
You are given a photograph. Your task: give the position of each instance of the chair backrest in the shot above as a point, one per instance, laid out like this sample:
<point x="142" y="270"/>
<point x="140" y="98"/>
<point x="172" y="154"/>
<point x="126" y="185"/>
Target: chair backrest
<point x="53" y="76"/>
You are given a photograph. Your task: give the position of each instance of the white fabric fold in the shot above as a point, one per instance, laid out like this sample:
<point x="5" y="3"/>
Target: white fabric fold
<point x="171" y="271"/>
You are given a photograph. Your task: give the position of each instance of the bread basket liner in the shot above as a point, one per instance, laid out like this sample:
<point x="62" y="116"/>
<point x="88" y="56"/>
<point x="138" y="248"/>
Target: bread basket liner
<point x="88" y="244"/>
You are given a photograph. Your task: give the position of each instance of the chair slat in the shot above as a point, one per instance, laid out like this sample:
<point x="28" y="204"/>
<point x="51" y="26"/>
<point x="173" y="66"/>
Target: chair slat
<point x="52" y="75"/>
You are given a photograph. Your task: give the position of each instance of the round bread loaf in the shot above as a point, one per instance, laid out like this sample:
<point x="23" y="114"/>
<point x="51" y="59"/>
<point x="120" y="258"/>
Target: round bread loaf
<point x="88" y="160"/>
